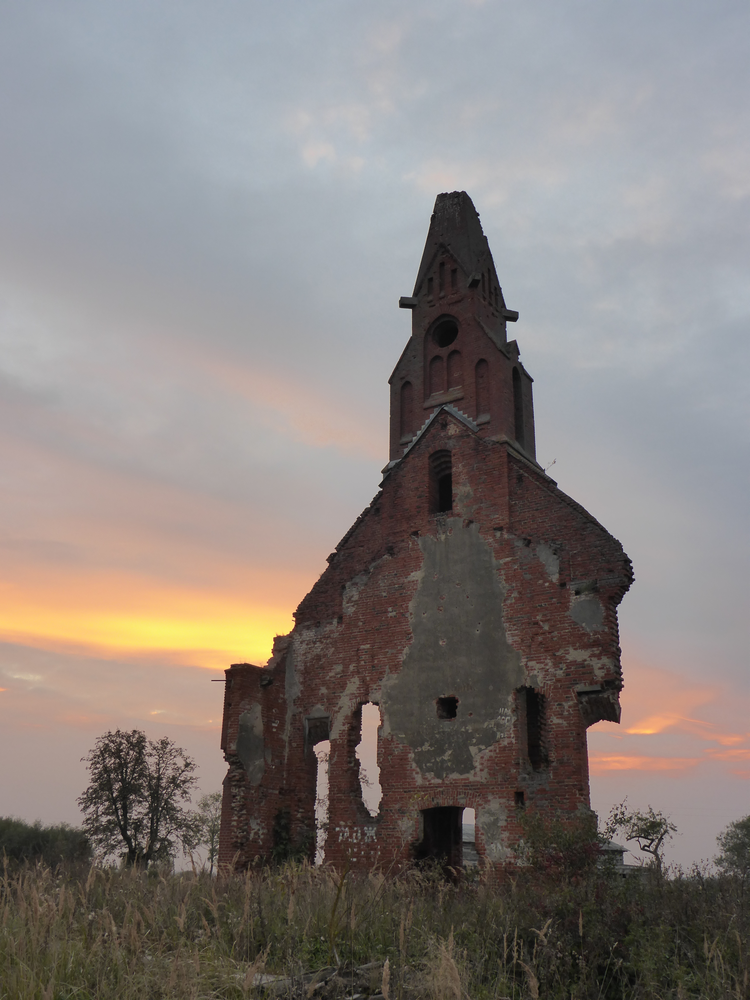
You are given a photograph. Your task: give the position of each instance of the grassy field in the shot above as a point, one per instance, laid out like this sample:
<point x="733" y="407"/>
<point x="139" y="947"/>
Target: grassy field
<point x="94" y="934"/>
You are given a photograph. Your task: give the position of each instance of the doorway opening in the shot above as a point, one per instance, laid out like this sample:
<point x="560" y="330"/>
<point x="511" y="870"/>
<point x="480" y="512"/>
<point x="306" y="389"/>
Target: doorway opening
<point x="442" y="837"/>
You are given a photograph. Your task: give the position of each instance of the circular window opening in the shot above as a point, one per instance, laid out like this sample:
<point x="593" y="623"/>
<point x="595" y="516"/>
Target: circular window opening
<point x="445" y="332"/>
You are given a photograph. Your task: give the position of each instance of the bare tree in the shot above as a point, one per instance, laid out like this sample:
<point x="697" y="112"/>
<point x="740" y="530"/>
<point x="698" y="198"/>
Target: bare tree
<point x="133" y="806"/>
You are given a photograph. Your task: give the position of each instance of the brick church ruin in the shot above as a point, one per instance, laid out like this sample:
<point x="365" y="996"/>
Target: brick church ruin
<point x="472" y="608"/>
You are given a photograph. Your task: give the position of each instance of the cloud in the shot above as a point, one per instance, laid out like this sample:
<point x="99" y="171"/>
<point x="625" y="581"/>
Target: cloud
<point x="602" y="762"/>
<point x="655" y="706"/>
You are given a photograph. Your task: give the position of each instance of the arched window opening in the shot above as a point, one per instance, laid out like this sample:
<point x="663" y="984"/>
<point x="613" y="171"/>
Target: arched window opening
<point x="518" y="409"/>
<point x="429" y="288"/>
<point x="482" y="376"/>
<point x="437" y="375"/>
<point x="441" y="278"/>
<point x="407" y="410"/>
<point x="455" y="370"/>
<point x="454" y="279"/>
<point x="441" y="482"/>
<point x="367" y="755"/>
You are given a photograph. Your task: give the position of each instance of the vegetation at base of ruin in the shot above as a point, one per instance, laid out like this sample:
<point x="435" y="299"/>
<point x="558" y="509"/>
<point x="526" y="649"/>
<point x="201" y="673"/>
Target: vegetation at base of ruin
<point x="285" y="847"/>
<point x="552" y="930"/>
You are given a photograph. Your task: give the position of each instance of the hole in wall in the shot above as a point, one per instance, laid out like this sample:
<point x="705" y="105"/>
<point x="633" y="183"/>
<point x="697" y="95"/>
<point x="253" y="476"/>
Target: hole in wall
<point x="468" y="829"/>
<point x="447" y="707"/>
<point x="445" y="332"/>
<point x="322" y="801"/>
<point x="367" y="754"/>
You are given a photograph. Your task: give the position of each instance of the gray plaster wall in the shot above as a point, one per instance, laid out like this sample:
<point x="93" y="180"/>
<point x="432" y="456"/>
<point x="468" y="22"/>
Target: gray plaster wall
<point x="459" y="649"/>
<point x="250" y="745"/>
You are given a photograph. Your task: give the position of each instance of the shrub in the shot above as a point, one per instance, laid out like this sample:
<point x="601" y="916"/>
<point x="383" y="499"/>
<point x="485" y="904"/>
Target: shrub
<point x="31" y="842"/>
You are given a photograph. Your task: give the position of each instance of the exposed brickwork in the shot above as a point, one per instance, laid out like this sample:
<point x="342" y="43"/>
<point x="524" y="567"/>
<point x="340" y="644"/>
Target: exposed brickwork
<point x="506" y="603"/>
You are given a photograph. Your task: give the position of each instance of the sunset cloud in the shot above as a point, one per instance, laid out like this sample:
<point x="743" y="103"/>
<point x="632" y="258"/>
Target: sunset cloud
<point x="602" y="762"/>
<point x="646" y="724"/>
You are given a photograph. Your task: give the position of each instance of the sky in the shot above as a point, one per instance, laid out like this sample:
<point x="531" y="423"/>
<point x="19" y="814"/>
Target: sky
<point x="208" y="212"/>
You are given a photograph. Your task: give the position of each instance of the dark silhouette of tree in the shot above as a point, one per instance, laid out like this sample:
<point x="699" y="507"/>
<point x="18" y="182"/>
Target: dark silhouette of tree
<point x="61" y="844"/>
<point x="207" y="820"/>
<point x="648" y="829"/>
<point x="133" y="806"/>
<point x="735" y="850"/>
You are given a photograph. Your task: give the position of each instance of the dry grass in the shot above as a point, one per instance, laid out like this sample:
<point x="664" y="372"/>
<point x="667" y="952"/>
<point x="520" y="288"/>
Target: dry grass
<point x="99" y="934"/>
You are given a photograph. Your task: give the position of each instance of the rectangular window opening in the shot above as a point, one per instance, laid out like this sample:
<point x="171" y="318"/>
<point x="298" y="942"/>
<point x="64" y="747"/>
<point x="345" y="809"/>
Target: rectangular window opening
<point x="447" y="707"/>
<point x="535" y="720"/>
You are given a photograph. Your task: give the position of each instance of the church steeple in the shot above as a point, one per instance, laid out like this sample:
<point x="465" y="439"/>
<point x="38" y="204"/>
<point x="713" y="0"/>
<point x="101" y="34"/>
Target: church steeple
<point x="459" y="352"/>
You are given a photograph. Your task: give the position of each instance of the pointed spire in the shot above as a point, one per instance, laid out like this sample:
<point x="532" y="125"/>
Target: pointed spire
<point x="455" y="225"/>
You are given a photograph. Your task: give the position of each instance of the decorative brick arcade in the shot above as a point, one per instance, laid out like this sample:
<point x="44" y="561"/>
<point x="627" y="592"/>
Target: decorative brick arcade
<point x="473" y="602"/>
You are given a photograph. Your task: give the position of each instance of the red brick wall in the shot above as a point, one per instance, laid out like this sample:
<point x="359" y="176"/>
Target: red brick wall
<point x="353" y="632"/>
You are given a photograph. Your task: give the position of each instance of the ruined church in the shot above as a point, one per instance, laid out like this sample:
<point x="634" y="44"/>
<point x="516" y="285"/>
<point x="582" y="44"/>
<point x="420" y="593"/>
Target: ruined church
<point x="472" y="606"/>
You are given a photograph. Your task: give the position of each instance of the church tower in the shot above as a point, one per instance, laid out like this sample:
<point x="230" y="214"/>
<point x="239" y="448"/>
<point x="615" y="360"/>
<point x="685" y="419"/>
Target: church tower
<point x="459" y="351"/>
<point x="472" y="608"/>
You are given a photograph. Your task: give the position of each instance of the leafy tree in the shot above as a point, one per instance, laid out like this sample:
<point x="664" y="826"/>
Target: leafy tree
<point x="207" y="819"/>
<point x="735" y="849"/>
<point x="649" y="829"/>
<point x="133" y="805"/>
<point x="53" y="845"/>
<point x="560" y="848"/>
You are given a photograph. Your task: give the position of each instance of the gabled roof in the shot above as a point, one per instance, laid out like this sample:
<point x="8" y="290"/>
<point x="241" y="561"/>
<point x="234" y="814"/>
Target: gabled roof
<point x="467" y="421"/>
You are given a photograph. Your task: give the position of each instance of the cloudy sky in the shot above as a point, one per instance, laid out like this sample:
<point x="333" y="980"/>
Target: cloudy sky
<point x="208" y="212"/>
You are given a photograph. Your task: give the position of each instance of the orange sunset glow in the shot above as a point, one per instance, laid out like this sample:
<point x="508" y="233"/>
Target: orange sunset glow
<point x="110" y="616"/>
